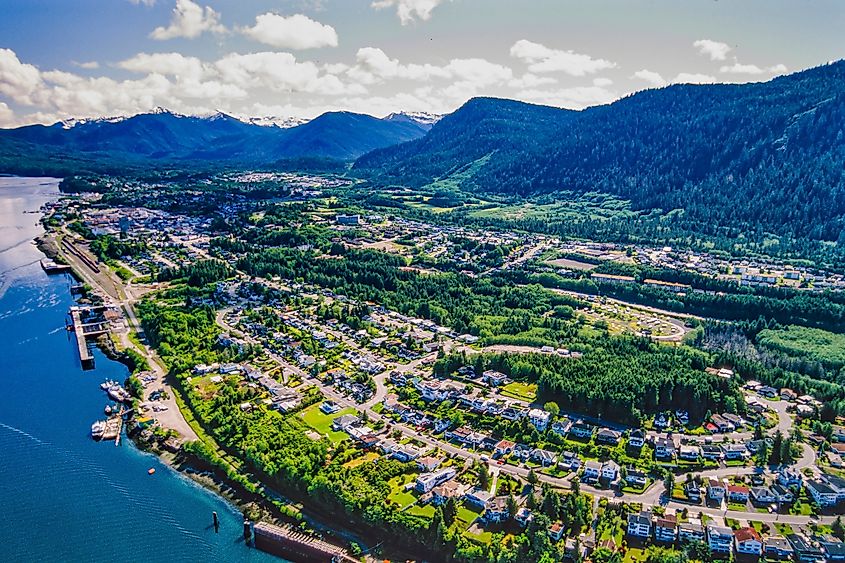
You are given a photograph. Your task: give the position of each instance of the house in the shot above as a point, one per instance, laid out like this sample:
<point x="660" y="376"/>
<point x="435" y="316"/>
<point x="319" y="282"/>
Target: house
<point x="782" y="494"/>
<point x="735" y="451"/>
<point x="834" y="550"/>
<point x="504" y="447"/>
<point x="639" y="525"/>
<point x="592" y="471"/>
<point x="636" y="478"/>
<point x="494" y="378"/>
<point x="716" y="490"/>
<point x="609" y="471"/>
<point x="666" y="529"/>
<point x="405" y="453"/>
<point x="543" y="457"/>
<point x="461" y="435"/>
<point x="690" y="531"/>
<point x="427" y="481"/>
<point x="722" y="424"/>
<point x="763" y="495"/>
<point x="711" y="452"/>
<point x="582" y="430"/>
<point x="738" y="493"/>
<point x="804" y="550"/>
<point x="823" y="494"/>
<point x="768" y="391"/>
<point x="497" y="510"/>
<point x="556" y="531"/>
<point x="428" y="463"/>
<point x="608" y="436"/>
<point x="719" y="539"/>
<point x="788" y="394"/>
<point x="689" y="453"/>
<point x="790" y="477"/>
<point x="478" y="497"/>
<point x="693" y="491"/>
<point x="561" y="426"/>
<point x="539" y="418"/>
<point x="636" y="439"/>
<point x="777" y="547"/>
<point x="747" y="541"/>
<point x="442" y="493"/>
<point x="523" y="516"/>
<point x="344" y="422"/>
<point x="329" y="407"/>
<point x="664" y="448"/>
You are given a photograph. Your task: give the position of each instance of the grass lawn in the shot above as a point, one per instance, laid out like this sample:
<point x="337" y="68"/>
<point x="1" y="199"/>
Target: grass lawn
<point x="519" y="390"/>
<point x="484" y="537"/>
<point x="466" y="515"/>
<point x="398" y="494"/>
<point x="425" y="511"/>
<point x="322" y="423"/>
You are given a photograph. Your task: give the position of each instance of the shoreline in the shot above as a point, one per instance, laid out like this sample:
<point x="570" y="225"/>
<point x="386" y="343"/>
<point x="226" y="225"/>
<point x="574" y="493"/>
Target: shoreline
<point x="253" y="506"/>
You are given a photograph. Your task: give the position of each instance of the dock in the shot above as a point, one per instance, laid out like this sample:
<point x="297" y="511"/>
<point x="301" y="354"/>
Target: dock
<point x="296" y="545"/>
<point x="51" y="267"/>
<point x="83" y="330"/>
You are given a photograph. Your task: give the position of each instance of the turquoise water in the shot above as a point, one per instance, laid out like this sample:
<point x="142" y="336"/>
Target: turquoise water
<point x="64" y="497"/>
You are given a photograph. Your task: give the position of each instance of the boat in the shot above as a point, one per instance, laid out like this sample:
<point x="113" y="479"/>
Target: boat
<point x="151" y="470"/>
<point x="97" y="429"/>
<point x="108" y="409"/>
<point x="118" y="393"/>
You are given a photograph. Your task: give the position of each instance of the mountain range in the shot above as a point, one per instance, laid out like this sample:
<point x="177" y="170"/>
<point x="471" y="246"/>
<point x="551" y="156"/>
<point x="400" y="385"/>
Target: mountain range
<point x="733" y="158"/>
<point x="168" y="137"/>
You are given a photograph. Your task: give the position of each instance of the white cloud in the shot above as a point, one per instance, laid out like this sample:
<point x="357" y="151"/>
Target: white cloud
<point x="716" y="50"/>
<point x="189" y="20"/>
<point x="693" y="78"/>
<point x="19" y="81"/>
<point x="143" y="2"/>
<point x="601" y="82"/>
<point x="291" y="32"/>
<point x="653" y="78"/>
<point x="409" y="10"/>
<point x="374" y="66"/>
<point x="577" y="97"/>
<point x="544" y="59"/>
<point x="7" y="116"/>
<point x="88" y="65"/>
<point x="529" y="80"/>
<point x="168" y="64"/>
<point x="739" y="68"/>
<point x="281" y="72"/>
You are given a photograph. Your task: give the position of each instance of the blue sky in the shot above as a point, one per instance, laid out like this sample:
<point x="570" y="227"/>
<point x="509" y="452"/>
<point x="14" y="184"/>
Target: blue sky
<point x="91" y="58"/>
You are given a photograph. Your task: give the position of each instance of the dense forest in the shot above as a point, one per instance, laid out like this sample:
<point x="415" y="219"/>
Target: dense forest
<point x="763" y="156"/>
<point x="618" y="378"/>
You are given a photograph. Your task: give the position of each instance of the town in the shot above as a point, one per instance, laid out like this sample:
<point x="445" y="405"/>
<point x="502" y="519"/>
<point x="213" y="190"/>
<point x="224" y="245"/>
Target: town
<point x="475" y="438"/>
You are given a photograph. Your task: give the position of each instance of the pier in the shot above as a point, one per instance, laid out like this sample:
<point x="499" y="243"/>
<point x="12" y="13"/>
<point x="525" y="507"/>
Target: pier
<point x="296" y="545"/>
<point x="82" y="330"/>
<point x="52" y="267"/>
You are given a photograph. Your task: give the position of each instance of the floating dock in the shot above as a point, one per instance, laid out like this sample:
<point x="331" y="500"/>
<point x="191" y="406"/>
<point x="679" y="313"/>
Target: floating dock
<point x="296" y="545"/>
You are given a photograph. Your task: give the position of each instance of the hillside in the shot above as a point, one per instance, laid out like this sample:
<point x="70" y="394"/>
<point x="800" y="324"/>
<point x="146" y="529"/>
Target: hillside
<point x="752" y="156"/>
<point x="165" y="137"/>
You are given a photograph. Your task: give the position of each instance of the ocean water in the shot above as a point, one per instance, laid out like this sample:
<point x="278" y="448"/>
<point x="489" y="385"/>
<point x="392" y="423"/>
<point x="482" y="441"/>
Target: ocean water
<point x="64" y="497"/>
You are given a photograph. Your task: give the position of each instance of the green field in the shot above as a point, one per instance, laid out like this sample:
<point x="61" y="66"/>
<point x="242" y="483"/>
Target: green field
<point x="519" y="390"/>
<point x="322" y="423"/>
<point x="810" y="343"/>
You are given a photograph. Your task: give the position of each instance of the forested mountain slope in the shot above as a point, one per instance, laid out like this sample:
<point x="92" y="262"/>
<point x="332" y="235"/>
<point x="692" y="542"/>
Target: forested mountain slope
<point x="760" y="156"/>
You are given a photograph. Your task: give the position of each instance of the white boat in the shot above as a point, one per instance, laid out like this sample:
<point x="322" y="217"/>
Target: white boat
<point x="97" y="429"/>
<point x="108" y="409"/>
